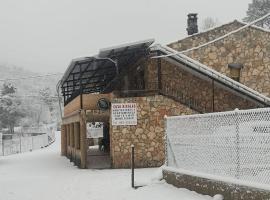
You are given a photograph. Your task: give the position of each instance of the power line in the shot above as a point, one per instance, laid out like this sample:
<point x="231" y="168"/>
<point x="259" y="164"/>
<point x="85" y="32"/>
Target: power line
<point x="215" y="40"/>
<point x="30" y="77"/>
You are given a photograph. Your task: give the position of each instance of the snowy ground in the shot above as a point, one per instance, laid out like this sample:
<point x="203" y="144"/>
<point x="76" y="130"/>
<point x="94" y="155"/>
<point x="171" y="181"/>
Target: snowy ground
<point x="45" y="175"/>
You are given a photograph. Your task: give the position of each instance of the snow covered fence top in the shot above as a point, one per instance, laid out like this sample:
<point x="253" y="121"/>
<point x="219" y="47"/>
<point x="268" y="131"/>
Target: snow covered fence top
<point x="233" y="144"/>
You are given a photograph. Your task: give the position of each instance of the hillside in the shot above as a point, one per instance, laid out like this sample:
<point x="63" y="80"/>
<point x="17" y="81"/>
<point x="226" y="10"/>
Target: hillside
<point x="27" y="86"/>
<point x="34" y="107"/>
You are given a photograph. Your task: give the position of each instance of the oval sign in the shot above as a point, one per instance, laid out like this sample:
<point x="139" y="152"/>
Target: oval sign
<point x="103" y="104"/>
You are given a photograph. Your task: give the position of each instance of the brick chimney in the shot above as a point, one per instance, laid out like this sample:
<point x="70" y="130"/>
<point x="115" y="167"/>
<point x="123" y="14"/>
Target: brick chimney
<point x="192" y="25"/>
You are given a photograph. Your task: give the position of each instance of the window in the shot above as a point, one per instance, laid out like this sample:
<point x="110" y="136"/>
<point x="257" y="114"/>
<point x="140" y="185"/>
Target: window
<point x="139" y="78"/>
<point x="235" y="71"/>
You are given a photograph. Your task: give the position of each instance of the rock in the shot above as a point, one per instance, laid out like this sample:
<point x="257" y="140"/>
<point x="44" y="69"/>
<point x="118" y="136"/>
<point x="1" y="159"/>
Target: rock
<point x="158" y="129"/>
<point x="139" y="131"/>
<point x="255" y="72"/>
<point x="151" y="135"/>
<point x="144" y="137"/>
<point x="151" y="149"/>
<point x="212" y="56"/>
<point x="116" y="148"/>
<point x="125" y="131"/>
<point x="152" y="129"/>
<point x="143" y="112"/>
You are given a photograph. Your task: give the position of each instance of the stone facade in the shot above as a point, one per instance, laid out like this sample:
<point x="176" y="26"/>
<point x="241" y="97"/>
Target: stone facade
<point x="212" y="187"/>
<point x="199" y="92"/>
<point x="250" y="47"/>
<point x="148" y="135"/>
<point x="174" y="90"/>
<point x="181" y="93"/>
<point x="193" y="91"/>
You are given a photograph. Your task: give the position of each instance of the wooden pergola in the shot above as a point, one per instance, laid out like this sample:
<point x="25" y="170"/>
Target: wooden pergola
<point x="97" y="75"/>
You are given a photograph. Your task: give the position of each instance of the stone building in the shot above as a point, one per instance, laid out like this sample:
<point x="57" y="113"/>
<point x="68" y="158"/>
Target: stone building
<point x="147" y="87"/>
<point x="249" y="49"/>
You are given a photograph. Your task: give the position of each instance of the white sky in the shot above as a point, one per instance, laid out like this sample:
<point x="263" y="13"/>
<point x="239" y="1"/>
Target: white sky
<point x="44" y="35"/>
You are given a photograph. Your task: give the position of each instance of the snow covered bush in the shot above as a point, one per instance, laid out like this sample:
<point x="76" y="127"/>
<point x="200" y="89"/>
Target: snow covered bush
<point x="10" y="109"/>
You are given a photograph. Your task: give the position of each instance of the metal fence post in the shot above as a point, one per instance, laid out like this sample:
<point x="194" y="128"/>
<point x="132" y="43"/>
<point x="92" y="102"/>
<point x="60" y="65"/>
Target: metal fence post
<point x="20" y="142"/>
<point x="132" y="166"/>
<point x="32" y="142"/>
<point x="166" y="141"/>
<point x="3" y="148"/>
<point x="237" y="144"/>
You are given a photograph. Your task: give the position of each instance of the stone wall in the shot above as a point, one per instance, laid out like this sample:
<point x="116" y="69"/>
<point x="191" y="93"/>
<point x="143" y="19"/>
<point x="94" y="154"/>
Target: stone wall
<point x="151" y="74"/>
<point x="197" y="93"/>
<point x="250" y="47"/>
<point x="212" y="187"/>
<point x="142" y="77"/>
<point x="193" y="91"/>
<point x="204" y="37"/>
<point x="148" y="135"/>
<point x="200" y="91"/>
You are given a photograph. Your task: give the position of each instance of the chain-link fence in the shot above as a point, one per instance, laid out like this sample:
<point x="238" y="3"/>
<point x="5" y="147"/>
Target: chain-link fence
<point x="29" y="140"/>
<point x="232" y="144"/>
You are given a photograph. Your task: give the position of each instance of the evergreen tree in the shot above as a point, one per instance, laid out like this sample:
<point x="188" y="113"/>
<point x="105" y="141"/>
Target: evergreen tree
<point x="8" y="88"/>
<point x="10" y="107"/>
<point x="257" y="9"/>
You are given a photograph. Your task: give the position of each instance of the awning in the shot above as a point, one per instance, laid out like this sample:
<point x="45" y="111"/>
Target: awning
<point x="96" y="73"/>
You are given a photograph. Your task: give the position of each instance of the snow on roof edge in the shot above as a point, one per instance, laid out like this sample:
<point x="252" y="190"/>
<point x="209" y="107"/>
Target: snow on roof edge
<point x="254" y="26"/>
<point x="71" y="65"/>
<point x="219" y="26"/>
<point x="204" y="31"/>
<point x="151" y="40"/>
<point x="81" y="58"/>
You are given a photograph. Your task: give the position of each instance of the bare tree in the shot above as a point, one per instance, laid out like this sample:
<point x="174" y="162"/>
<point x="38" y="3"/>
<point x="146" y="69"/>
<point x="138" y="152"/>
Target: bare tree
<point x="209" y="22"/>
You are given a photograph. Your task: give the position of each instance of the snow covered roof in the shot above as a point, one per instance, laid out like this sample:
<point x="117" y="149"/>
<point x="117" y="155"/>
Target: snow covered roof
<point x="98" y="73"/>
<point x="245" y="25"/>
<point x="254" y="26"/>
<point x="207" y="72"/>
<point x="229" y="23"/>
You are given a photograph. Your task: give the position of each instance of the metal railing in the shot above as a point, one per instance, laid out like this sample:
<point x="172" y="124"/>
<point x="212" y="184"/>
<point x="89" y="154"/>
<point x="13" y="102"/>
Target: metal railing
<point x="25" y="142"/>
<point x="233" y="144"/>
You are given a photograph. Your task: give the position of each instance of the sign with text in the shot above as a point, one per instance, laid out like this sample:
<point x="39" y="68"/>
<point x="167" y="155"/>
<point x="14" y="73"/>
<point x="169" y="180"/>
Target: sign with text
<point x="124" y="114"/>
<point x="93" y="132"/>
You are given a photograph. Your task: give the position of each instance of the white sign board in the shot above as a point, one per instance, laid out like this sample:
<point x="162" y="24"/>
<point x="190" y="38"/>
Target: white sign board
<point x="94" y="132"/>
<point x="124" y="114"/>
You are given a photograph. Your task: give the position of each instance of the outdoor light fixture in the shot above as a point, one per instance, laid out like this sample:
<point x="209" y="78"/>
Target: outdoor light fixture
<point x="235" y="69"/>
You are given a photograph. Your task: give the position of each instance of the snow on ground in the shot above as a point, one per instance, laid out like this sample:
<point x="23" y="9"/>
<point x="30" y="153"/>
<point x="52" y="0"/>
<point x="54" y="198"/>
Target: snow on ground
<point x="45" y="175"/>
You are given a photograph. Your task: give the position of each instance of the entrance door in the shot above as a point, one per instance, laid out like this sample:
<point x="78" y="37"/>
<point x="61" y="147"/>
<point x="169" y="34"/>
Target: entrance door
<point x="98" y="139"/>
